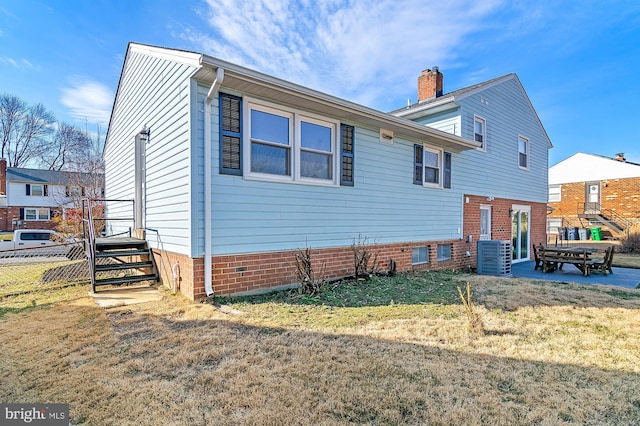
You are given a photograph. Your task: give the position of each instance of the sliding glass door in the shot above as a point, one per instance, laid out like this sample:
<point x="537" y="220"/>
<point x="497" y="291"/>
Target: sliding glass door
<point x="520" y="235"/>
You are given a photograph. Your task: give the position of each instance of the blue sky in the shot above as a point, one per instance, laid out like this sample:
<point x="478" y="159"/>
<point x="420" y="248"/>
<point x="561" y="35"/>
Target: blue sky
<point x="579" y="61"/>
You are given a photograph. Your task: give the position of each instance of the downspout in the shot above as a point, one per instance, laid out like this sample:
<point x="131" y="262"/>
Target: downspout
<point x="208" y="234"/>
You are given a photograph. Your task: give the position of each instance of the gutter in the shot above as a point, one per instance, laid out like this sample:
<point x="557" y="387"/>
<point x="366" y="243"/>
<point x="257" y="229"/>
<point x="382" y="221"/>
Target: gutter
<point x="208" y="234"/>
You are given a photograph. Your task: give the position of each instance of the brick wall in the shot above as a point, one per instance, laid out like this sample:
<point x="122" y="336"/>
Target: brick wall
<point x="257" y="272"/>
<point x="11" y="213"/>
<point x="501" y="220"/>
<point x="619" y="195"/>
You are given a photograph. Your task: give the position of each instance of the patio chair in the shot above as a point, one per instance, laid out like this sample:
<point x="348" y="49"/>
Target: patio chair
<point x="603" y="265"/>
<point x="537" y="255"/>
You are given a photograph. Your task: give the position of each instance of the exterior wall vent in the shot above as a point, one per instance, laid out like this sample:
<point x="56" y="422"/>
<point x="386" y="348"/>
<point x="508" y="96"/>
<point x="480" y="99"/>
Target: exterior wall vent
<point x="386" y="136"/>
<point x="494" y="257"/>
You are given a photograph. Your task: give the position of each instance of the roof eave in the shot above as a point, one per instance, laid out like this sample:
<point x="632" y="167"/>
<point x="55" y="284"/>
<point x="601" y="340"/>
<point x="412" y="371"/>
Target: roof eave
<point x="260" y="85"/>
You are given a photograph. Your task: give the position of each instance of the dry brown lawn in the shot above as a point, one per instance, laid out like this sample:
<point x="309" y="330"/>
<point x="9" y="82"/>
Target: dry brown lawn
<point x="551" y="354"/>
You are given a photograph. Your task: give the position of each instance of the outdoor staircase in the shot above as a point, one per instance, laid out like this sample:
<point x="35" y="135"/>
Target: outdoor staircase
<point x="118" y="261"/>
<point x="603" y="220"/>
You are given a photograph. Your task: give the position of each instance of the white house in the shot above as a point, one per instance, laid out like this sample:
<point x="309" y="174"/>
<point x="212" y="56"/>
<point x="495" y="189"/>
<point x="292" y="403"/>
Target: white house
<point x="32" y="197"/>
<point x="233" y="170"/>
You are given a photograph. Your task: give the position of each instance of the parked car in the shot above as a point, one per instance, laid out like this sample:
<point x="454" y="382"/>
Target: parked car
<point x="40" y="242"/>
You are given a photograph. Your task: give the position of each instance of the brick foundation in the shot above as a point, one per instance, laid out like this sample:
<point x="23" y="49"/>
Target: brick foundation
<point x="259" y="272"/>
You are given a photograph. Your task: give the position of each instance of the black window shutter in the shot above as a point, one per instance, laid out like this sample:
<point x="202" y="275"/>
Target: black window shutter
<point x="22" y="212"/>
<point x="45" y="190"/>
<point x="447" y="170"/>
<point x="230" y="134"/>
<point x="346" y="154"/>
<point x="417" y="164"/>
<point x="28" y="189"/>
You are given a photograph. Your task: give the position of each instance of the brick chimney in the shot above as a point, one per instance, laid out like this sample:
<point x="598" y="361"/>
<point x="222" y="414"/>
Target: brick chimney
<point x="430" y="84"/>
<point x="3" y="176"/>
<point x="620" y="157"/>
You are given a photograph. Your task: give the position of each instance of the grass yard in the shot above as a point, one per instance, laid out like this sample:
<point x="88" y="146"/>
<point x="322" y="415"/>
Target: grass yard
<point x="625" y="260"/>
<point x="391" y="351"/>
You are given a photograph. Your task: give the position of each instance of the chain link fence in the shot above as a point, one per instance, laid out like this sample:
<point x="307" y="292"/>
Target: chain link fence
<point x="31" y="270"/>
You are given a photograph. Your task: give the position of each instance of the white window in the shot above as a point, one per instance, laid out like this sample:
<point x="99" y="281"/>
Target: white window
<point x="479" y="132"/>
<point x="431" y="167"/>
<point x="485" y="222"/>
<point x="419" y="255"/>
<point x="36" y="214"/>
<point x="555" y="193"/>
<point x="553" y="224"/>
<point x="444" y="252"/>
<point x="287" y="145"/>
<point x="523" y="152"/>
<point x="37" y="190"/>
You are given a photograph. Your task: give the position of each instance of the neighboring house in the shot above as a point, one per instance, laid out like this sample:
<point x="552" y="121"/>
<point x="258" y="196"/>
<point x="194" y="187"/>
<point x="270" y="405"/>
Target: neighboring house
<point x="587" y="190"/>
<point x="31" y="198"/>
<point x="233" y="170"/>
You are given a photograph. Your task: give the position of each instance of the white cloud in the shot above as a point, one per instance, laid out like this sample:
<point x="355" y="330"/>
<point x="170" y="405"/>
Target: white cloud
<point x="88" y="100"/>
<point x="21" y="64"/>
<point x="357" y="49"/>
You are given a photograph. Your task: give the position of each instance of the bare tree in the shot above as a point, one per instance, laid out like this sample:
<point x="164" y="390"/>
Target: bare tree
<point x="23" y="129"/>
<point x="69" y="149"/>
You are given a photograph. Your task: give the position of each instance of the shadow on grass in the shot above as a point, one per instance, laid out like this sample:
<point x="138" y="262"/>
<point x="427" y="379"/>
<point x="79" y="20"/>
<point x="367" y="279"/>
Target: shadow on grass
<point x="212" y="371"/>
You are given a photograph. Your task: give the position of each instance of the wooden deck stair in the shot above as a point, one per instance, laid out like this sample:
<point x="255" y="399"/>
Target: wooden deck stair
<point x="120" y="261"/>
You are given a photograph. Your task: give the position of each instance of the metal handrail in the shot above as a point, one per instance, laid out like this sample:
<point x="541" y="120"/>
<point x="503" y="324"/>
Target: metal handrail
<point x="89" y="230"/>
<point x="90" y="236"/>
<point x="609" y="213"/>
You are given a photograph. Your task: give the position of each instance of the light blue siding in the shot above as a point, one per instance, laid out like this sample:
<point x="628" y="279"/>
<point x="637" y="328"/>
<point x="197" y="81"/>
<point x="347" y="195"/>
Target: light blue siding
<point x="496" y="172"/>
<point x="448" y="121"/>
<point x="154" y="92"/>
<point x="383" y="205"/>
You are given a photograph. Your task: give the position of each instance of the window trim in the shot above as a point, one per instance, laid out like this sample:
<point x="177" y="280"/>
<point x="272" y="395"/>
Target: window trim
<point x="526" y="153"/>
<point x="36" y="211"/>
<point x="296" y="117"/>
<point x="44" y="191"/>
<point x="444" y="179"/>
<point x="476" y="119"/>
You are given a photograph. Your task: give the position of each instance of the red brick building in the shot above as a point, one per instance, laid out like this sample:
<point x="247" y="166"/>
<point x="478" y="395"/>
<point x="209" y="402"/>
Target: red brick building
<point x="587" y="190"/>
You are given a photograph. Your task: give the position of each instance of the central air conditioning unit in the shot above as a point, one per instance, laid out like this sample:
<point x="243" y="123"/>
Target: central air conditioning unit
<point x="494" y="257"/>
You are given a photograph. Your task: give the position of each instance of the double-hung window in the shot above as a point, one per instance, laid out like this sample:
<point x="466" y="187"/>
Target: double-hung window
<point x="289" y="145"/>
<point x="479" y="132"/>
<point x="431" y="167"/>
<point x="35" y="214"/>
<point x="260" y="140"/>
<point x="523" y="152"/>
